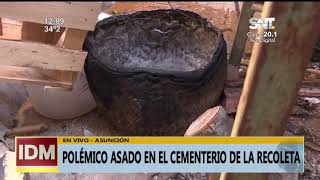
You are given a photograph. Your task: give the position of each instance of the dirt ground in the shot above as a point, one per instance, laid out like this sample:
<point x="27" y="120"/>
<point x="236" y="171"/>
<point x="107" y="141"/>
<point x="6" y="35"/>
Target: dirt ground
<point x="304" y="120"/>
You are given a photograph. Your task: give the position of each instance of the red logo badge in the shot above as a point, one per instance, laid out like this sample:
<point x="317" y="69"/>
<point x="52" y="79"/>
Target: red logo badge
<point x="36" y="151"/>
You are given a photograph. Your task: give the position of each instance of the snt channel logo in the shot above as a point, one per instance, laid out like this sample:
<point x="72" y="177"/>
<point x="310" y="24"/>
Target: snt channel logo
<point x="258" y="23"/>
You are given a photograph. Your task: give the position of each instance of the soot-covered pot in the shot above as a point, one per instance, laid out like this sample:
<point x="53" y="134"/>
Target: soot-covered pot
<point x="154" y="72"/>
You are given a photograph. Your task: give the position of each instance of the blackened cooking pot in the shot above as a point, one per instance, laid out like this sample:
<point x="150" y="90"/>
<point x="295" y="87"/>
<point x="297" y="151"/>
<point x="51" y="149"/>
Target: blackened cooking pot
<point x="154" y="72"/>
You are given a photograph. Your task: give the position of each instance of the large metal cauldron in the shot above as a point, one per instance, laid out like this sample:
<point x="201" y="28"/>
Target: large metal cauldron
<point x="154" y="72"/>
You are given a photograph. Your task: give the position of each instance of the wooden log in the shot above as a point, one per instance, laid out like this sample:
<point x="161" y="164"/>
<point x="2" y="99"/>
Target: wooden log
<point x="27" y="130"/>
<point x="79" y="15"/>
<point x="213" y="122"/>
<point x="37" y="76"/>
<point x="29" y="54"/>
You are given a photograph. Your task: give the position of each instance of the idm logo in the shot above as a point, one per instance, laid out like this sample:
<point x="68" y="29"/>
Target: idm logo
<point x="258" y="23"/>
<point x="36" y="152"/>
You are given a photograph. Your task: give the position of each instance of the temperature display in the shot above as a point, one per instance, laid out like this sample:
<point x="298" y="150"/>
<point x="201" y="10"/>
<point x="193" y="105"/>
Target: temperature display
<point x="51" y="28"/>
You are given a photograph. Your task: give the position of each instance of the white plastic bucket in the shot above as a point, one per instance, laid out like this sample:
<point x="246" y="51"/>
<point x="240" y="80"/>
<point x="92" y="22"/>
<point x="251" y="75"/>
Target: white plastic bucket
<point x="62" y="104"/>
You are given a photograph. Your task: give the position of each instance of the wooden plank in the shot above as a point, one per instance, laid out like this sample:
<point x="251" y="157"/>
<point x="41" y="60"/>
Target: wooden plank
<point x="257" y="7"/>
<point x="241" y="34"/>
<point x="1" y="33"/>
<point x="74" y="39"/>
<point x="313" y="71"/>
<point x="11" y="29"/>
<point x="239" y="41"/>
<point x="78" y="15"/>
<point x="29" y="54"/>
<point x="309" y="92"/>
<point x="275" y="72"/>
<point x="71" y="39"/>
<point x="38" y="76"/>
<point x="57" y="36"/>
